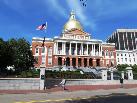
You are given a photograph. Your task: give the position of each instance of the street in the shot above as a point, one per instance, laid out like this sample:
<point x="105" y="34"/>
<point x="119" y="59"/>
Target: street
<point x="118" y="98"/>
<point x="86" y="96"/>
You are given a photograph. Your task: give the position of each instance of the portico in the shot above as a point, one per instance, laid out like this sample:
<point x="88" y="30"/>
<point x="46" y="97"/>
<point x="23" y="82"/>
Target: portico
<point x="77" y="48"/>
<point x="78" y="61"/>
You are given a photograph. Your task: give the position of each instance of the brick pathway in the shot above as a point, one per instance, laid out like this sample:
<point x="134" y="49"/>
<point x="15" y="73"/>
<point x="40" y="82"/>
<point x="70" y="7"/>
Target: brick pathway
<point x="69" y="88"/>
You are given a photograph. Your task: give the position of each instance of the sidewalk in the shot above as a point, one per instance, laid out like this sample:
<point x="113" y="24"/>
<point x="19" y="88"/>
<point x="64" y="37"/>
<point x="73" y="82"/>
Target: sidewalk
<point x="70" y="89"/>
<point x="58" y="95"/>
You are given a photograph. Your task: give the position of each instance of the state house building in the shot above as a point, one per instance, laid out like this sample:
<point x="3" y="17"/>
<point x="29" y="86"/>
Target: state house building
<point x="73" y="48"/>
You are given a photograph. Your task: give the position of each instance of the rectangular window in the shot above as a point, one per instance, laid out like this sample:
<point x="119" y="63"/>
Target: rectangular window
<point x="111" y="53"/>
<point x="126" y="59"/>
<point x="50" y="51"/>
<point x="102" y="53"/>
<point x="129" y="59"/>
<point x="49" y="60"/>
<point x="122" y="59"/>
<point x="117" y="54"/>
<point x="134" y="60"/>
<point x="107" y="53"/>
<point x="107" y="62"/>
<point x="118" y="59"/>
<point x="43" y="50"/>
<point x="36" y="60"/>
<point x="43" y="60"/>
<point x="36" y="50"/>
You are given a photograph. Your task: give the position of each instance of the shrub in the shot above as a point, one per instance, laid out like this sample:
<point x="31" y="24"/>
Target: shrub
<point x="29" y="74"/>
<point x="23" y="74"/>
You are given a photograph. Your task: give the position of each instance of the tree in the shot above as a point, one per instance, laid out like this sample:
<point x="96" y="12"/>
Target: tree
<point x="134" y="68"/>
<point x="22" y="55"/>
<point x="5" y="55"/>
<point x="122" y="67"/>
<point x="2" y="54"/>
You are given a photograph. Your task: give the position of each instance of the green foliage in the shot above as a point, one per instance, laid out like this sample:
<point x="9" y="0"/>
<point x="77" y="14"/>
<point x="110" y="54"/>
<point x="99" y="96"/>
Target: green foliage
<point x="5" y="55"/>
<point x="23" y="74"/>
<point x="36" y="73"/>
<point x="134" y="68"/>
<point x="17" y="53"/>
<point x="67" y="75"/>
<point x="23" y="58"/>
<point x="28" y="74"/>
<point x="122" y="67"/>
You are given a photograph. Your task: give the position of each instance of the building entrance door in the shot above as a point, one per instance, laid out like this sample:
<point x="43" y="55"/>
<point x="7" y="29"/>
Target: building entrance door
<point x="91" y="62"/>
<point x="67" y="61"/>
<point x="98" y="62"/>
<point x="85" y="62"/>
<point x="59" y="61"/>
<point x="73" y="62"/>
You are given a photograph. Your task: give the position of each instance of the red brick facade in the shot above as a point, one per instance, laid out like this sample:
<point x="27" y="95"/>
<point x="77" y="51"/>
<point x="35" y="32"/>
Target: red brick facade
<point x="91" y="61"/>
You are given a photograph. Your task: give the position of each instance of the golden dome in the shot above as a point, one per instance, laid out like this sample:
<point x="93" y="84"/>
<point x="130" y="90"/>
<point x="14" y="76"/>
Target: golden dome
<point x="72" y="23"/>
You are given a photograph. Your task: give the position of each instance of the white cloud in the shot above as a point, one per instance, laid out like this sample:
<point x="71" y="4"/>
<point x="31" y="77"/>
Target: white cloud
<point x="56" y="6"/>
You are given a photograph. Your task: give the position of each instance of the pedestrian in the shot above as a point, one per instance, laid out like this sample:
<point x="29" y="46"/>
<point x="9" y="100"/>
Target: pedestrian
<point x="121" y="82"/>
<point x="62" y="84"/>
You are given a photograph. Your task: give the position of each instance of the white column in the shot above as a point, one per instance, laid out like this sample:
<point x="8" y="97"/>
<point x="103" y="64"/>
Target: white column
<point x="99" y="50"/>
<point x="62" y="51"/>
<point x="76" y="50"/>
<point x="87" y="49"/>
<point x="57" y="49"/>
<point x="130" y="74"/>
<point x="135" y="41"/>
<point x="54" y="48"/>
<point x="124" y="40"/>
<point x="122" y="74"/>
<point x="42" y="78"/>
<point x="104" y="74"/>
<point x="64" y="48"/>
<point x="132" y="40"/>
<point x="118" y="40"/>
<point x="82" y="49"/>
<point x="127" y="41"/>
<point x="94" y="50"/>
<point x="111" y="75"/>
<point x="70" y="49"/>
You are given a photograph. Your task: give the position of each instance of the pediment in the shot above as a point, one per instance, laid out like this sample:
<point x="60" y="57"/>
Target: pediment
<point x="76" y="32"/>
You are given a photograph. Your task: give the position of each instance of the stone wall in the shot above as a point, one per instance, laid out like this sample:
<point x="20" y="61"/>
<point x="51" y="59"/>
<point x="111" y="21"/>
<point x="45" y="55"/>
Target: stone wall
<point x="97" y="82"/>
<point x="19" y="83"/>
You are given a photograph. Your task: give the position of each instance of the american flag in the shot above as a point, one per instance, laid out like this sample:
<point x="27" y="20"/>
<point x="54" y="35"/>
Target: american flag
<point x="42" y="27"/>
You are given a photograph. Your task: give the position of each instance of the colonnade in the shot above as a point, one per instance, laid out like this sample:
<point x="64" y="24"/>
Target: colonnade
<point x="91" y="49"/>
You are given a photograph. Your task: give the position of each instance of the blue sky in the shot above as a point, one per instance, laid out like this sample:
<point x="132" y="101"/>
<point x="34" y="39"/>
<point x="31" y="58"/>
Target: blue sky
<point x="19" y="18"/>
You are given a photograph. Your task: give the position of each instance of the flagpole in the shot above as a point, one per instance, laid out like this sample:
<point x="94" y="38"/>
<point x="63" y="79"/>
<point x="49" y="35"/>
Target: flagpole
<point x="45" y="31"/>
<point x="43" y="28"/>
